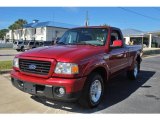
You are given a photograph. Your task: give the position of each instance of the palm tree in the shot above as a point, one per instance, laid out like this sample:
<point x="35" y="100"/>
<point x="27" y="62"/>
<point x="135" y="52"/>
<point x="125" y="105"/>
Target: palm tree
<point x="20" y="22"/>
<point x="12" y="28"/>
<point x="158" y="34"/>
<point x="3" y="33"/>
<point x="17" y="25"/>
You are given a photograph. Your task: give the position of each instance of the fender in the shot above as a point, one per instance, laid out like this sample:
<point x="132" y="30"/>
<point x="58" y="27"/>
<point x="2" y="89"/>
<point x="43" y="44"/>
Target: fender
<point x="95" y="63"/>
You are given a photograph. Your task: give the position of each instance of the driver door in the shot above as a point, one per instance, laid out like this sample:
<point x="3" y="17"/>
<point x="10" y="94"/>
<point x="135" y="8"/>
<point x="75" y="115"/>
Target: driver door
<point x="117" y="54"/>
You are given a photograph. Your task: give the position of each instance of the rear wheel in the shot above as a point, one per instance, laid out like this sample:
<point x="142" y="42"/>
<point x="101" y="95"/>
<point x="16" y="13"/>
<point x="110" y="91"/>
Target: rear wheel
<point x="93" y="91"/>
<point x="133" y="74"/>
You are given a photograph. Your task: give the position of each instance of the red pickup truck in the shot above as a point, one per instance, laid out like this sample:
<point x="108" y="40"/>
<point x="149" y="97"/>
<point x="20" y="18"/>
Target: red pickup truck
<point x="78" y="66"/>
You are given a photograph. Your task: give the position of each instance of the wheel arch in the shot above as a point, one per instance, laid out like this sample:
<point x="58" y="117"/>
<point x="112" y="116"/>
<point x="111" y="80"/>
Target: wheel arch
<point x="137" y="59"/>
<point x="102" y="71"/>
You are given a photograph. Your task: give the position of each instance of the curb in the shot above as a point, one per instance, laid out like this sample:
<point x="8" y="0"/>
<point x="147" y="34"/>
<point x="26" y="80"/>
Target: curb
<point x="151" y="52"/>
<point x="150" y="56"/>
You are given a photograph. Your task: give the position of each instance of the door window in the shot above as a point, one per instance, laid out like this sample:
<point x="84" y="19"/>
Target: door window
<point x="116" y="39"/>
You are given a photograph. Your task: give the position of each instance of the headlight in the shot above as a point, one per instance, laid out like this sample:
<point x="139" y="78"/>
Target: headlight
<point x="66" y="68"/>
<point x="16" y="62"/>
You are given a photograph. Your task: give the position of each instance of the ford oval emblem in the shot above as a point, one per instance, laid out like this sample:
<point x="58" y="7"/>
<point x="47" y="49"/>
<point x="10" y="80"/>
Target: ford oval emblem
<point x="32" y="66"/>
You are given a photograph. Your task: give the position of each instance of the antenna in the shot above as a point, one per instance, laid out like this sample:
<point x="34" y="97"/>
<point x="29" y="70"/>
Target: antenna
<point x="87" y="19"/>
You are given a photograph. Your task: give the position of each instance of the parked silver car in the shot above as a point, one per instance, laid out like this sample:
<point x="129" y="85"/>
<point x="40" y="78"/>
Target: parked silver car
<point x="32" y="44"/>
<point x="19" y="45"/>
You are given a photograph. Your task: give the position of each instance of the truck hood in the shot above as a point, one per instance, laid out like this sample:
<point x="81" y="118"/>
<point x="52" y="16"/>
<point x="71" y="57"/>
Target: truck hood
<point x="64" y="53"/>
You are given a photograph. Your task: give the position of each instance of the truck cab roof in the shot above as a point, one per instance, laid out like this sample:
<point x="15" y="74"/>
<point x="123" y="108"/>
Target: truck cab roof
<point x="108" y="27"/>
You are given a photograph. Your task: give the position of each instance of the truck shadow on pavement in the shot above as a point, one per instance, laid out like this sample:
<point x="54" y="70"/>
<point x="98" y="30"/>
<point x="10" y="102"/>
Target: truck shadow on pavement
<point x="117" y="90"/>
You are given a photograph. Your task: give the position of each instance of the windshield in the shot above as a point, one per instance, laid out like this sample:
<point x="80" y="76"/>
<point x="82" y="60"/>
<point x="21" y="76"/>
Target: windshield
<point x="20" y="42"/>
<point x="84" y="36"/>
<point x="26" y="43"/>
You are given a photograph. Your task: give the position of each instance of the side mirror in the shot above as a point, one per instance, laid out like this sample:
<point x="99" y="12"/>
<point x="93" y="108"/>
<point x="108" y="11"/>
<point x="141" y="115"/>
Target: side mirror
<point x="117" y="43"/>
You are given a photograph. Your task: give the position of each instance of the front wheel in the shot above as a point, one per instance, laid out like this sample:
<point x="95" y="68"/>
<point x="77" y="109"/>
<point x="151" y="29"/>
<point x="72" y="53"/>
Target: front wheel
<point x="133" y="74"/>
<point x="18" y="50"/>
<point x="93" y="91"/>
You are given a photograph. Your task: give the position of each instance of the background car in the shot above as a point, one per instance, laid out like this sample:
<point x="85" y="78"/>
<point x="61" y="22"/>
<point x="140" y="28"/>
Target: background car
<point x="19" y="45"/>
<point x="47" y="43"/>
<point x="33" y="44"/>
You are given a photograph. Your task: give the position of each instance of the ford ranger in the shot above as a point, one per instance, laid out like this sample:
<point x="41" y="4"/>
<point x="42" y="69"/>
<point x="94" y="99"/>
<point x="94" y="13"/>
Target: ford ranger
<point x="78" y="66"/>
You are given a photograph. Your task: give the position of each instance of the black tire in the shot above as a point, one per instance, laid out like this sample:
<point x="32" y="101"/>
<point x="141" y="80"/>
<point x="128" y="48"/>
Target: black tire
<point x="18" y="50"/>
<point x="85" y="99"/>
<point x="139" y="67"/>
<point x="22" y="49"/>
<point x="133" y="74"/>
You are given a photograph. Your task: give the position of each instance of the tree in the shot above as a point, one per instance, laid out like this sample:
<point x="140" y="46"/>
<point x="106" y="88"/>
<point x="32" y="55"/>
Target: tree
<point x="11" y="27"/>
<point x="3" y="33"/>
<point x="158" y="34"/>
<point x="17" y="24"/>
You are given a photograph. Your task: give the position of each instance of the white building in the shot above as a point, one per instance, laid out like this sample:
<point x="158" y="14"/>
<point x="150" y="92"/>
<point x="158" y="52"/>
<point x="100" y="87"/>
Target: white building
<point x="147" y="39"/>
<point x="46" y="31"/>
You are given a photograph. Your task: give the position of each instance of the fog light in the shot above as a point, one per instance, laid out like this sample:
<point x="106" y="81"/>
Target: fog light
<point x="61" y="91"/>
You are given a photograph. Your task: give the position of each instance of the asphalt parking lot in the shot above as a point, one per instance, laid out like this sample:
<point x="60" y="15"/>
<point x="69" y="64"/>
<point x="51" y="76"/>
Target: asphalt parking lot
<point x="121" y="96"/>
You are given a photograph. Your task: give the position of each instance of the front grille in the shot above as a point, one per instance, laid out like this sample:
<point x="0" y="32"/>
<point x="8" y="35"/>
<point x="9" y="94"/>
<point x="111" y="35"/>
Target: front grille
<point x="35" y="66"/>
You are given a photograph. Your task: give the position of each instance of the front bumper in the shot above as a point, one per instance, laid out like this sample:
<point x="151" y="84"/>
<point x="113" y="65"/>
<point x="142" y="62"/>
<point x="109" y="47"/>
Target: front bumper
<point x="16" y="48"/>
<point x="27" y="48"/>
<point x="47" y="87"/>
